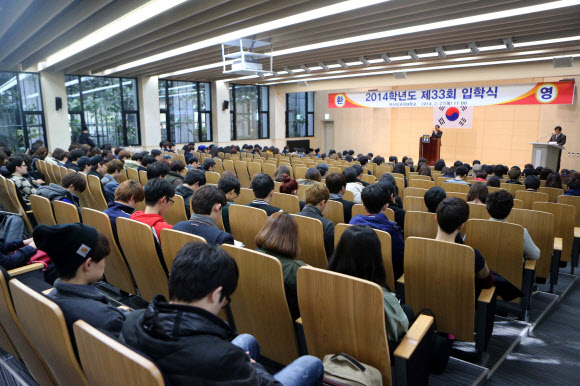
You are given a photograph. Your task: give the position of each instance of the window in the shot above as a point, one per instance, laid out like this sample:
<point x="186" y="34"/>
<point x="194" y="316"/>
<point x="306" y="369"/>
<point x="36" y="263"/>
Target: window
<point x="249" y="111"/>
<point x="300" y="114"/>
<point x="108" y="107"/>
<point x="21" y="114"/>
<point x="185" y="111"/>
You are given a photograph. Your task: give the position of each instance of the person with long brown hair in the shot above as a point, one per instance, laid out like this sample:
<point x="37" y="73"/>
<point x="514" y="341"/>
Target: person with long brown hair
<point x="279" y="238"/>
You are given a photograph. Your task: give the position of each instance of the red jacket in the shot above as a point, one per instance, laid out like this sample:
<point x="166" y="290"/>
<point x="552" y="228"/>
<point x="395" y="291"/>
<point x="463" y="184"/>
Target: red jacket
<point x="153" y="220"/>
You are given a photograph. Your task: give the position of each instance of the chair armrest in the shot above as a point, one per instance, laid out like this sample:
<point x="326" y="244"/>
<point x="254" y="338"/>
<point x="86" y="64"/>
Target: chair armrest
<point x="414" y="336"/>
<point x="530" y="264"/>
<point x="25" y="269"/>
<point x="401" y="280"/>
<point x="47" y="291"/>
<point x="298" y="321"/>
<point x="28" y="211"/>
<point x="486" y="295"/>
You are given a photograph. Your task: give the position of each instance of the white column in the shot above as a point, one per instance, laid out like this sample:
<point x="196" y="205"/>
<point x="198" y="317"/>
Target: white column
<point x="221" y="125"/>
<point x="149" y="112"/>
<point x="57" y="125"/>
<point x="277" y="117"/>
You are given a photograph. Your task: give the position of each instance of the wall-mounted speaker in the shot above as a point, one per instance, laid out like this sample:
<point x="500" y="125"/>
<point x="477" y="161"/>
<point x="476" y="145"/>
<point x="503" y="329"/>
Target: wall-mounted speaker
<point x="226" y="105"/>
<point x="303" y="83"/>
<point x="58" y="102"/>
<point x="567" y="61"/>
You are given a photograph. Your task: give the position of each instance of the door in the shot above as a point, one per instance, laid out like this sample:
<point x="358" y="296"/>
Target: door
<point x="327" y="136"/>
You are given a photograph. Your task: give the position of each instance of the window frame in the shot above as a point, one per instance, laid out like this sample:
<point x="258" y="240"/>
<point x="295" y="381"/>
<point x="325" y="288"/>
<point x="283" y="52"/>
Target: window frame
<point x="199" y="112"/>
<point x="23" y="114"/>
<point x="124" y="112"/>
<point x="233" y="112"/>
<point x="309" y="115"/>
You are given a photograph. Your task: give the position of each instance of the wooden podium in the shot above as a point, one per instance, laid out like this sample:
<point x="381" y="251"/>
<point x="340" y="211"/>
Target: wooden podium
<point x="546" y="155"/>
<point x="430" y="150"/>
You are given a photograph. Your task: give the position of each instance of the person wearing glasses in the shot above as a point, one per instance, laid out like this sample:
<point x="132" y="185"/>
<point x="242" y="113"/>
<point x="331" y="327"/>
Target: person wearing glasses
<point x="190" y="344"/>
<point x="158" y="198"/>
<point x="206" y="205"/>
<point x="18" y="168"/>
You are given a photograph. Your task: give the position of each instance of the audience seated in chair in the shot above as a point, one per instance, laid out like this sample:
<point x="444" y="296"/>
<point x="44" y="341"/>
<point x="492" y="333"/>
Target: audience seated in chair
<point x="316" y="197"/>
<point x="84" y="164"/>
<point x="290" y="186"/>
<point x="478" y="193"/>
<point x="207" y="204"/>
<point x="433" y="198"/>
<point x="127" y="196"/>
<point x="98" y="167"/>
<point x="71" y="185"/>
<point x="494" y="182"/>
<point x="499" y="205"/>
<point x="208" y="165"/>
<point x="336" y="184"/>
<point x="460" y="176"/>
<point x="73" y="159"/>
<point x="78" y="252"/>
<point x="194" y="179"/>
<point x="532" y="183"/>
<point x="109" y="181"/>
<point x="158" y="198"/>
<point x="190" y="344"/>
<point x="573" y="185"/>
<point x="157" y="170"/>
<point x="358" y="254"/>
<point x="16" y="253"/>
<point x="376" y="198"/>
<point x="352" y="184"/>
<point x="174" y="176"/>
<point x="230" y="185"/>
<point x="359" y="173"/>
<point x="395" y="203"/>
<point x="514" y="175"/>
<point x="311" y="176"/>
<point x="17" y="167"/>
<point x="279" y="238"/>
<point x="263" y="188"/>
<point x="192" y="162"/>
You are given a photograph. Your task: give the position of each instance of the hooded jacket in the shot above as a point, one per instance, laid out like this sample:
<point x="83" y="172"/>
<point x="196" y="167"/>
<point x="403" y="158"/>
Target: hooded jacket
<point x="153" y="220"/>
<point x="131" y="164"/>
<point x="56" y="192"/>
<point x="191" y="346"/>
<point x="174" y="178"/>
<point x="381" y="222"/>
<point x="116" y="209"/>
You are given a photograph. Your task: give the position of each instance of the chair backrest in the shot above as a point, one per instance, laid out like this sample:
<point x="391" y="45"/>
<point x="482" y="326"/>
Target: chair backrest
<point x="133" y="174"/>
<point x="478" y="211"/>
<point x="334" y="211"/>
<point x="344" y="314"/>
<point x="368" y="178"/>
<point x="348" y="196"/>
<point x="440" y="276"/>
<point x="176" y="211"/>
<point x="123" y="176"/>
<point x="552" y="193"/>
<point x="269" y="169"/>
<point x="242" y="173"/>
<point x="540" y="226"/>
<point x="415" y="192"/>
<point x="229" y="165"/>
<point x="360" y="209"/>
<point x="143" y="177"/>
<point x="51" y="337"/>
<point x="575" y="202"/>
<point x="246" y="196"/>
<point x="86" y="198"/>
<point x="420" y="224"/>
<point x="42" y="210"/>
<point x="65" y="213"/>
<point x="463" y="196"/>
<point x="172" y="241"/>
<point x="518" y="204"/>
<point x="529" y="198"/>
<point x="116" y="271"/>
<point x="456" y="188"/>
<point x="386" y="250"/>
<point x="311" y="241"/>
<point x="259" y="304"/>
<point x="414" y="204"/>
<point x="254" y="168"/>
<point x="107" y="362"/>
<point x="421" y="184"/>
<point x="564" y="217"/>
<point x="440" y="180"/>
<point x="246" y="222"/>
<point x="212" y="177"/>
<point x="97" y="192"/>
<point x="505" y="255"/>
<point x="299" y="171"/>
<point x="400" y="181"/>
<point x="512" y="188"/>
<point x="289" y="203"/>
<point x="138" y="246"/>
<point x="21" y="343"/>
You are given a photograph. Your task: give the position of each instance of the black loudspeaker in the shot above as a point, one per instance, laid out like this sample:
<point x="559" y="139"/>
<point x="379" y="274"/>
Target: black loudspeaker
<point x="226" y="105"/>
<point x="58" y="101"/>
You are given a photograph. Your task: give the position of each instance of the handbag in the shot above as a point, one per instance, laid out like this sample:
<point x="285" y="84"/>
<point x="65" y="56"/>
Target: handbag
<point x="440" y="346"/>
<point x="342" y="369"/>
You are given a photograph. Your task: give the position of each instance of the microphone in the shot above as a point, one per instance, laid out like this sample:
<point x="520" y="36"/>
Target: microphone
<point x="544" y="137"/>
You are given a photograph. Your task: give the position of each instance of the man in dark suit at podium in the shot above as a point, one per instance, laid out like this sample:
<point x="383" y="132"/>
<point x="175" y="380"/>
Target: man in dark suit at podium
<point x="437" y="133"/>
<point x="560" y="139"/>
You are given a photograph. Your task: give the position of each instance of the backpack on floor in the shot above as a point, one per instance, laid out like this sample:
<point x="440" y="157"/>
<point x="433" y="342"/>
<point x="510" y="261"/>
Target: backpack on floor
<point x="342" y="369"/>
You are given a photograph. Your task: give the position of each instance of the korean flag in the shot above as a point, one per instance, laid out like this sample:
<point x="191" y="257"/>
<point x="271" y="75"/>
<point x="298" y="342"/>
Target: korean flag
<point x="449" y="117"/>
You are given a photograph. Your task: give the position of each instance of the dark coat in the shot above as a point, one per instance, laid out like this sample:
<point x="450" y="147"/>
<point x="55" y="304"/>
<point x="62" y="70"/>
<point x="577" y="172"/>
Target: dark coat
<point x="204" y="226"/>
<point x="191" y="346"/>
<point x="116" y="209"/>
<point x="87" y="303"/>
<point x="561" y="140"/>
<point x="327" y="227"/>
<point x="85" y="138"/>
<point x="186" y="193"/>
<point x="14" y="254"/>
<point x="399" y="214"/>
<point x="260" y="204"/>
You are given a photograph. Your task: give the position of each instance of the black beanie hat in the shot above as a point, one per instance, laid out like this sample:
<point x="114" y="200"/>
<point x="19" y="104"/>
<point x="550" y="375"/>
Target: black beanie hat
<point x="68" y="246"/>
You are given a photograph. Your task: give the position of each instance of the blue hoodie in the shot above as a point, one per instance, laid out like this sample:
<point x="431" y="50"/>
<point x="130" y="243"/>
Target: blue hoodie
<point x="116" y="209"/>
<point x="381" y="222"/>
